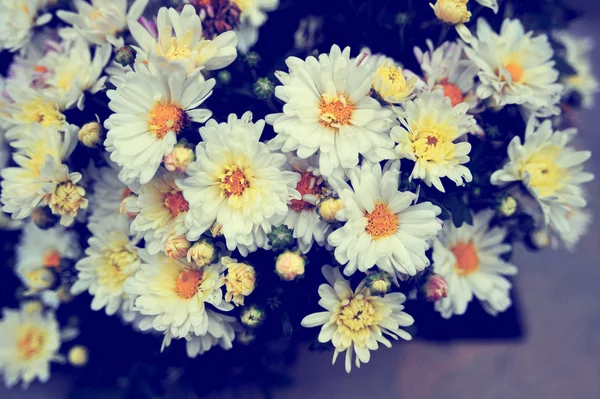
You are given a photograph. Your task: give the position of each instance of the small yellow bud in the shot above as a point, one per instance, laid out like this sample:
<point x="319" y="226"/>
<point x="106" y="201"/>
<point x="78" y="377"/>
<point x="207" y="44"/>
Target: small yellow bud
<point x="177" y="247"/>
<point x="508" y="206"/>
<point x="452" y="11"/>
<point x="391" y="85"/>
<point x="90" y="134"/>
<point x="78" y="356"/>
<point x="290" y="265"/>
<point x="202" y="253"/>
<point x="240" y="280"/>
<point x="540" y="238"/>
<point x="252" y="316"/>
<point x="329" y="208"/>
<point x="66" y="200"/>
<point x="179" y="159"/>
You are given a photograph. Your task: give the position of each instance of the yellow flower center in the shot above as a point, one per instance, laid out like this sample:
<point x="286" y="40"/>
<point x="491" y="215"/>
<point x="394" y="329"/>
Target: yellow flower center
<point x="176" y="203"/>
<point x="356" y="317"/>
<point x="516" y="71"/>
<point x="452" y="11"/>
<point x="115" y="270"/>
<point x="389" y="82"/>
<point x="432" y="141"/>
<point x="31" y="342"/>
<point x="67" y="198"/>
<point x="52" y="259"/>
<point x="453" y="93"/>
<point x="544" y="173"/>
<point x="336" y="111"/>
<point x="467" y="260"/>
<point x="188" y="282"/>
<point x="382" y="222"/>
<point x="235" y="180"/>
<point x="165" y="118"/>
<point x="180" y="49"/>
<point x="43" y="112"/>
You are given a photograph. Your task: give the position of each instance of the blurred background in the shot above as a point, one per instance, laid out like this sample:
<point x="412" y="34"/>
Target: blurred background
<point x="557" y="355"/>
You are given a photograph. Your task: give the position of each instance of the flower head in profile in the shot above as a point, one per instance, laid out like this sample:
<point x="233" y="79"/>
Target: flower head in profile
<point x="356" y="321"/>
<point x="17" y="21"/>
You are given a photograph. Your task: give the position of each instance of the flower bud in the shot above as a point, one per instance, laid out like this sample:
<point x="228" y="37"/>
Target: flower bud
<point x="263" y="88"/>
<point x="379" y="283"/>
<point x="179" y="159"/>
<point x="126" y="203"/>
<point x="66" y="200"/>
<point x="452" y="11"/>
<point x="177" y="247"/>
<point x="508" y="206"/>
<point x="290" y="265"/>
<point x="78" y="356"/>
<point x="329" y="207"/>
<point x="216" y="230"/>
<point x="44" y="218"/>
<point x="252" y="316"/>
<point x="435" y="288"/>
<point x="90" y="134"/>
<point x="240" y="280"/>
<point x="252" y="59"/>
<point x="280" y="237"/>
<point x="391" y="85"/>
<point x="125" y="56"/>
<point x="202" y="253"/>
<point x="224" y="77"/>
<point x="540" y="238"/>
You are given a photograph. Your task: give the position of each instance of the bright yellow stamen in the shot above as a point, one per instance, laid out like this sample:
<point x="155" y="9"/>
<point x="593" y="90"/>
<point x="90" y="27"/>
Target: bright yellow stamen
<point x="180" y="49"/>
<point x="176" y="203"/>
<point x="467" y="260"/>
<point x="188" y="282"/>
<point x="235" y="180"/>
<point x="114" y="271"/>
<point x="382" y="222"/>
<point x="52" y="259"/>
<point x="356" y="317"/>
<point x="43" y="112"/>
<point x="31" y="341"/>
<point x="336" y="111"/>
<point x="432" y="141"/>
<point x="544" y="173"/>
<point x="165" y="118"/>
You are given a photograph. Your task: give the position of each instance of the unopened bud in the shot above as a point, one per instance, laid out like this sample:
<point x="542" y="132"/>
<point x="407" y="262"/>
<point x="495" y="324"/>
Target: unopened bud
<point x="379" y="283"/>
<point x="90" y="134"/>
<point x="44" y="218"/>
<point x="78" y="356"/>
<point x="252" y="59"/>
<point x="540" y="238"/>
<point x="329" y="207"/>
<point x="263" y="88"/>
<point x="280" y="237"/>
<point x="290" y="265"/>
<point x="240" y="281"/>
<point x="125" y="56"/>
<point x="216" y="230"/>
<point x="125" y="203"/>
<point x="452" y="11"/>
<point x="179" y="159"/>
<point x="177" y="247"/>
<point x="508" y="206"/>
<point x="252" y="316"/>
<point x="435" y="288"/>
<point x="202" y="253"/>
<point x="224" y="77"/>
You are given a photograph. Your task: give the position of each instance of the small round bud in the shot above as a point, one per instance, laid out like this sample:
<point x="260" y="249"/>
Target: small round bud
<point x="452" y="11"/>
<point x="263" y="88"/>
<point x="329" y="207"/>
<point x="125" y="56"/>
<point x="402" y="18"/>
<point x="224" y="77"/>
<point x="252" y="59"/>
<point x="290" y="265"/>
<point x="202" y="253"/>
<point x="33" y="307"/>
<point x="379" y="283"/>
<point x="435" y="288"/>
<point x="78" y="356"/>
<point x="177" y="247"/>
<point x="90" y="134"/>
<point x="540" y="238"/>
<point x="508" y="206"/>
<point x="240" y="280"/>
<point x="280" y="237"/>
<point x="44" y="218"/>
<point x="126" y="203"/>
<point x="391" y="85"/>
<point x="179" y="159"/>
<point x="252" y="316"/>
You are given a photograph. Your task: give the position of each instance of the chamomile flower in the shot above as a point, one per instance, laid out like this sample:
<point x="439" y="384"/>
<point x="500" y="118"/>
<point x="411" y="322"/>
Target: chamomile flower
<point x="161" y="210"/>
<point x="584" y="82"/>
<point x="237" y="183"/>
<point x="110" y="260"/>
<point x="253" y="16"/>
<point x="328" y="111"/>
<point x="382" y="227"/>
<point x="469" y="259"/>
<point x="30" y="342"/>
<point x="551" y="171"/>
<point x="515" y="68"/>
<point x="429" y="135"/>
<point x="17" y="20"/>
<point x="172" y="295"/>
<point x="101" y="21"/>
<point x="356" y="322"/>
<point x="180" y="41"/>
<point x="150" y="108"/>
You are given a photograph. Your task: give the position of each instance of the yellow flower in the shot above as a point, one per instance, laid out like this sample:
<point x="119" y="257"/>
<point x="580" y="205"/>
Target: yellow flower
<point x="90" y="134"/>
<point x="329" y="208"/>
<point x="391" y="85"/>
<point x="66" y="200"/>
<point x="240" y="280"/>
<point x="452" y="11"/>
<point x="202" y="253"/>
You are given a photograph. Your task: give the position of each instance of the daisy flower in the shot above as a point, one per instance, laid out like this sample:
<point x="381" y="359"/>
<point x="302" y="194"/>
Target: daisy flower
<point x="253" y="16"/>
<point x="237" y="183"/>
<point x="17" y="20"/>
<point x="549" y="169"/>
<point x="110" y="260"/>
<point x="356" y="321"/>
<point x="161" y="210"/>
<point x="381" y="226"/>
<point x="150" y="108"/>
<point x="584" y="82"/>
<point x="469" y="259"/>
<point x="328" y="111"/>
<point x="30" y="342"/>
<point x="103" y="20"/>
<point x="180" y="41"/>
<point x="516" y="68"/>
<point x="429" y="135"/>
<point x="172" y="295"/>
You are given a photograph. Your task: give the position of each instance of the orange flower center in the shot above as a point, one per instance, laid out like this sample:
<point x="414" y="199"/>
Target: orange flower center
<point x="335" y="112"/>
<point x="176" y="203"/>
<point x="52" y="259"/>
<point x="453" y="93"/>
<point x="40" y="69"/>
<point x="516" y="71"/>
<point x="382" y="222"/>
<point x="467" y="260"/>
<point x="187" y="283"/>
<point x="308" y="184"/>
<point x="234" y="181"/>
<point x="31" y="342"/>
<point x="165" y="118"/>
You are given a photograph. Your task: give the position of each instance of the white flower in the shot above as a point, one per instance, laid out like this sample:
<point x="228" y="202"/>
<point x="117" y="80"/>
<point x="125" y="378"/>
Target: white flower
<point x="551" y="171"/>
<point x="30" y="341"/>
<point x="107" y="192"/>
<point x="110" y="260"/>
<point x="172" y="294"/>
<point x="103" y="20"/>
<point x="180" y="42"/>
<point x="579" y="222"/>
<point x="382" y="228"/>
<point x="516" y="68"/>
<point x="469" y="258"/>
<point x="161" y="210"/>
<point x="253" y="16"/>
<point x="430" y="136"/>
<point x="303" y="216"/>
<point x="328" y="111"/>
<point x="577" y="55"/>
<point x="356" y="321"/>
<point x="17" y="20"/>
<point x="150" y="109"/>
<point x="238" y="183"/>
